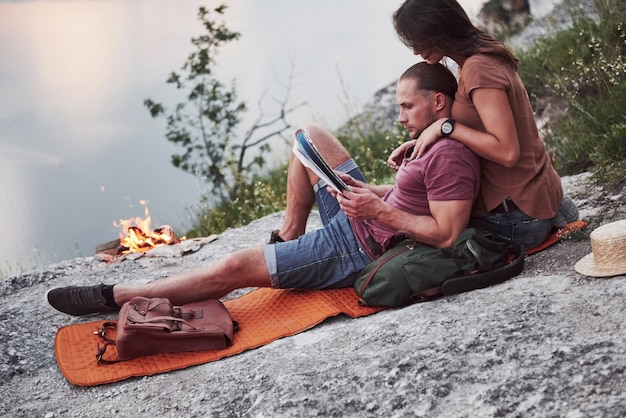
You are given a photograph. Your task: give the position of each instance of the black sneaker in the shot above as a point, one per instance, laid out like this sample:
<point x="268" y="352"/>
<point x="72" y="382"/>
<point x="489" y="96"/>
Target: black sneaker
<point x="274" y="237"/>
<point x="79" y="300"/>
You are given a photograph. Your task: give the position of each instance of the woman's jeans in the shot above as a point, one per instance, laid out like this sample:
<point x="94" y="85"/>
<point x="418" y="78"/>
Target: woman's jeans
<point x="517" y="227"/>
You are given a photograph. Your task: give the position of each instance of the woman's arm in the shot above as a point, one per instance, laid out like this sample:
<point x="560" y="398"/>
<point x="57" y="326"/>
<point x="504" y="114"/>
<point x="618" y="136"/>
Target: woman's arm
<point x="499" y="143"/>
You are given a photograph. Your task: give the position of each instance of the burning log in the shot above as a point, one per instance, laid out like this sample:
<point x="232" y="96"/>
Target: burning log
<point x="111" y="248"/>
<point x="139" y="239"/>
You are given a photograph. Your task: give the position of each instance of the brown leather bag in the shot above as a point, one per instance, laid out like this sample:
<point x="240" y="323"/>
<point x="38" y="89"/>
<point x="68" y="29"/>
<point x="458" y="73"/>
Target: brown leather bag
<point x="147" y="326"/>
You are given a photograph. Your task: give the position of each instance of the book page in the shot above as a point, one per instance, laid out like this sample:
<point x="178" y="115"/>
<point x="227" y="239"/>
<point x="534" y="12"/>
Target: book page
<point x="310" y="157"/>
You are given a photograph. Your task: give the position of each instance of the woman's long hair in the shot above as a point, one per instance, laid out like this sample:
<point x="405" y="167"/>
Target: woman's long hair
<point x="444" y="25"/>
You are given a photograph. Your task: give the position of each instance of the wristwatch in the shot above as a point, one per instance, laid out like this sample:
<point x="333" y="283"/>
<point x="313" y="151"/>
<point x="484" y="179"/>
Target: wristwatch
<point x="447" y="127"/>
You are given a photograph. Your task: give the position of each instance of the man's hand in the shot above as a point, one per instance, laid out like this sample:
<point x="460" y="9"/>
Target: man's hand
<point x="360" y="203"/>
<point x="348" y="179"/>
<point x="378" y="190"/>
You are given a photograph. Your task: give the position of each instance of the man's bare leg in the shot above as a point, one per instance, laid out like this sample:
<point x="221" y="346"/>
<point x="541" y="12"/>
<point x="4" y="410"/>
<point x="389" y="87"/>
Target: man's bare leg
<point x="245" y="268"/>
<point x="300" y="182"/>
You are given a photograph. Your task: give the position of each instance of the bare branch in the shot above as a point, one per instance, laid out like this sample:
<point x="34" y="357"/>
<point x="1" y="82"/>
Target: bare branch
<point x="260" y="123"/>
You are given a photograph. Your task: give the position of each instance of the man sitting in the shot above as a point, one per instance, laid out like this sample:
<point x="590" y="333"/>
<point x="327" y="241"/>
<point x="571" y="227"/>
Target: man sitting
<point x="431" y="201"/>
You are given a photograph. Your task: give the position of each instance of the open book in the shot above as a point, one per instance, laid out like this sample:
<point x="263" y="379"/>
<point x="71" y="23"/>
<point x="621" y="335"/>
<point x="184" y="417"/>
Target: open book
<point x="309" y="156"/>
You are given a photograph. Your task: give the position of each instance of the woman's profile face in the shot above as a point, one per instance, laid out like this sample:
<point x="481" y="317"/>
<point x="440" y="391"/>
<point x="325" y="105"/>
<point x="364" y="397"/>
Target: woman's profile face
<point x="430" y="55"/>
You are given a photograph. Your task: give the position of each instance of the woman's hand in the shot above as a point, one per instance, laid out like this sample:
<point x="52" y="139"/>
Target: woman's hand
<point x="398" y="154"/>
<point x="428" y="137"/>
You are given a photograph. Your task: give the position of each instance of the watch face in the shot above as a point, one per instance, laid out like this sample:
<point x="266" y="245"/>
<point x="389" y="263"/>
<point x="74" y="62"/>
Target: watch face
<point x="446" y="128"/>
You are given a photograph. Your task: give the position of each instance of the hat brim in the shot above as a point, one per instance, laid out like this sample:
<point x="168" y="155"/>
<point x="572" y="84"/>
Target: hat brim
<point x="588" y="267"/>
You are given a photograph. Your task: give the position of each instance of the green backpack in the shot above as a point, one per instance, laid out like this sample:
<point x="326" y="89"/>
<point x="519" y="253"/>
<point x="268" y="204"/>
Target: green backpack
<point x="414" y="272"/>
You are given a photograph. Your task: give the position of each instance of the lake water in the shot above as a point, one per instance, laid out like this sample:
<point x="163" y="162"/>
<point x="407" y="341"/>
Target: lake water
<point x="78" y="150"/>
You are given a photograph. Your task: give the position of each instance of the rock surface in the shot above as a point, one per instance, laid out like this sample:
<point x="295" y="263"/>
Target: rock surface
<point x="549" y="342"/>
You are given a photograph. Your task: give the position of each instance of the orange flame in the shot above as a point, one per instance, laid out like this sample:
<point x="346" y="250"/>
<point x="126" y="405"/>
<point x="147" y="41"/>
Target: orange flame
<point x="137" y="236"/>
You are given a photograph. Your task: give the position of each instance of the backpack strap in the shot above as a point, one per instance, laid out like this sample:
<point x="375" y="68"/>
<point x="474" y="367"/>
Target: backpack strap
<point x="477" y="280"/>
<point x="487" y="278"/>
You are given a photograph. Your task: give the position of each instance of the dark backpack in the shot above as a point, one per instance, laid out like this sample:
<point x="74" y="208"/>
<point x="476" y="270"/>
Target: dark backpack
<point x="413" y="272"/>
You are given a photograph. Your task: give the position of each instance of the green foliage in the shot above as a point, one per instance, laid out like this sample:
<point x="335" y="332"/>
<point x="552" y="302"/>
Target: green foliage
<point x="368" y="147"/>
<point x="255" y="199"/>
<point x="579" y="74"/>
<point x="203" y="125"/>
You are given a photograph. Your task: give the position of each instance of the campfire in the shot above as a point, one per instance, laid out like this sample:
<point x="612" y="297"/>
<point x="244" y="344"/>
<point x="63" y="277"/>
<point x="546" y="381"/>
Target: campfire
<point x="136" y="235"/>
<point x="137" y="238"/>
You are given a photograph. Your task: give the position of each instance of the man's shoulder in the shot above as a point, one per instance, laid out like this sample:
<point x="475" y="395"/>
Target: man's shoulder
<point x="452" y="146"/>
<point x="448" y="151"/>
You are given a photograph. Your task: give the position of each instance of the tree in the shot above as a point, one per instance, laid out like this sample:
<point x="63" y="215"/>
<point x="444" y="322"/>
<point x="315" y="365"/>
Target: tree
<point x="204" y="125"/>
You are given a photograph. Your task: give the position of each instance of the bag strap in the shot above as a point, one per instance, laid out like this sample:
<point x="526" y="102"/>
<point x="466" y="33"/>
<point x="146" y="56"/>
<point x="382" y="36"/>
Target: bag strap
<point x="389" y="255"/>
<point x="102" y="332"/>
<point x="478" y="280"/>
<point x="151" y="321"/>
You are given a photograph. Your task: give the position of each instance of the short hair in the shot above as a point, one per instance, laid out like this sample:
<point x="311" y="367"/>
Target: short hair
<point x="433" y="77"/>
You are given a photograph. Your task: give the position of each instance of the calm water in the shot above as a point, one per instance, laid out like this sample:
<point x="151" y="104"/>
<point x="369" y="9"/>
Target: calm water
<point x="77" y="148"/>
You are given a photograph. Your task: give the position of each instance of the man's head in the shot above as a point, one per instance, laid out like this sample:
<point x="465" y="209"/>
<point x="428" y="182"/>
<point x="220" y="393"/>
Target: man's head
<point x="424" y="94"/>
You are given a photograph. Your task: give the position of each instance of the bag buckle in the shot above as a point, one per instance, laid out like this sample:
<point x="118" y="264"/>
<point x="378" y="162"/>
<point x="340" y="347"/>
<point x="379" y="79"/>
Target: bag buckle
<point x="177" y="312"/>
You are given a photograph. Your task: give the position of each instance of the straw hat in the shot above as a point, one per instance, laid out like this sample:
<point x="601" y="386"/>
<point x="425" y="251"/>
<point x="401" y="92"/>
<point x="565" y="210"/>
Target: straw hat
<point x="608" y="251"/>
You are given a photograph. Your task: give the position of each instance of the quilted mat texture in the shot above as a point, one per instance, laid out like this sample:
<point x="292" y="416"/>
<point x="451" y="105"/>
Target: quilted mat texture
<point x="557" y="236"/>
<point x="264" y="315"/>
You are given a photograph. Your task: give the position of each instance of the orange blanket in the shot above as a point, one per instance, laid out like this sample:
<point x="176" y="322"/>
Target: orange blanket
<point x="264" y="315"/>
<point x="556" y="236"/>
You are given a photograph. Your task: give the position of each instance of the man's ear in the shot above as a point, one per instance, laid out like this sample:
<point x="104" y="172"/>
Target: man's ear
<point x="440" y="101"/>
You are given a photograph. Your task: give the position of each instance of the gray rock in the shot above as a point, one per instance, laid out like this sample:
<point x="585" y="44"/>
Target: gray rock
<point x="551" y="18"/>
<point x="549" y="342"/>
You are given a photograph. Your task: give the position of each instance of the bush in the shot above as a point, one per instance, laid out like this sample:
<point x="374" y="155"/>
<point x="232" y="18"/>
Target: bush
<point x="370" y="148"/>
<point x="255" y="198"/>
<point x="265" y="195"/>
<point x="581" y="74"/>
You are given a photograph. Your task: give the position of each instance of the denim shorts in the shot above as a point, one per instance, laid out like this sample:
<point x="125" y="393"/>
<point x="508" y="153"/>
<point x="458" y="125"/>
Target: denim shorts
<point x="516" y="227"/>
<point x="326" y="258"/>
